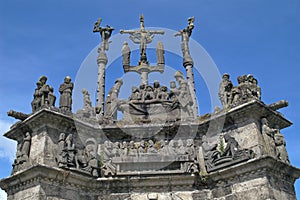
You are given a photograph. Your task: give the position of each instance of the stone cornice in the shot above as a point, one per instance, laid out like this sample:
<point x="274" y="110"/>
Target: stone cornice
<point x="46" y="117"/>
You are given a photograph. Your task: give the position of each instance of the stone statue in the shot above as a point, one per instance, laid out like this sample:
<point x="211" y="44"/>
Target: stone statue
<point x="246" y="90"/>
<point x="151" y="149"/>
<point x="135" y="95"/>
<point x="87" y="103"/>
<point x="280" y="146"/>
<point x="142" y="149"/>
<point x="210" y="152"/>
<point x="190" y="148"/>
<point x="126" y="55"/>
<point x="26" y="147"/>
<point x="185" y="35"/>
<point x="90" y="159"/>
<point x="160" y="54"/>
<point x="156" y="89"/>
<point x="231" y="146"/>
<point x="174" y="92"/>
<point x="112" y="100"/>
<point x="185" y="100"/>
<point x="124" y="149"/>
<point x="255" y="89"/>
<point x="22" y="154"/>
<point x="65" y="89"/>
<point x="268" y="135"/>
<point x="37" y="97"/>
<point x="62" y="153"/>
<point x="180" y="147"/>
<point x="172" y="147"/>
<point x="71" y="151"/>
<point x="132" y="151"/>
<point x="163" y="93"/>
<point x="46" y="92"/>
<point x="225" y="91"/>
<point x="149" y="93"/>
<point x="163" y="150"/>
<point x="105" y="33"/>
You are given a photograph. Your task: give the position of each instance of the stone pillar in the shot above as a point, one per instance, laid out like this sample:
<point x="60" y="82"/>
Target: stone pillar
<point x="101" y="61"/>
<point x="188" y="65"/>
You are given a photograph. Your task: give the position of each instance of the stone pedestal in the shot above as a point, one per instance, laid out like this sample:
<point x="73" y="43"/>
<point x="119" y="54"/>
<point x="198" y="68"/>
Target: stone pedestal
<point x="45" y="176"/>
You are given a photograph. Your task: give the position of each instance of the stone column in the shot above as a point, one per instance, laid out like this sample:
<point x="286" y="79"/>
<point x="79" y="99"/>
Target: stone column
<point x="188" y="65"/>
<point x="101" y="61"/>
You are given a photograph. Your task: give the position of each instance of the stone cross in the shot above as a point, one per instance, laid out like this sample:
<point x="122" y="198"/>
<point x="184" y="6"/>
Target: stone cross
<point x="105" y="33"/>
<point x="143" y="37"/>
<point x="102" y="60"/>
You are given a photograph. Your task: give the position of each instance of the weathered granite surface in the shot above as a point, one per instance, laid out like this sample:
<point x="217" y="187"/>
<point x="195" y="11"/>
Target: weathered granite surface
<point x="149" y="173"/>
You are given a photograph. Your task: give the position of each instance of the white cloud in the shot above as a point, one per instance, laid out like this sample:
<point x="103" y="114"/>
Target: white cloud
<point x="3" y="195"/>
<point x="8" y="147"/>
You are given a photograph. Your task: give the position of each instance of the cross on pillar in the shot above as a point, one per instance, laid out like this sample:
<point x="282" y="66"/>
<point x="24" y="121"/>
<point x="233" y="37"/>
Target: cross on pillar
<point x="143" y="37"/>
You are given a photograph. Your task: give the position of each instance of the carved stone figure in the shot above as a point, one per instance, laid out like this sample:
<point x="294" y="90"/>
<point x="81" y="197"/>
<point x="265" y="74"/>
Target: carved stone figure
<point x="246" y="90"/>
<point x="185" y="36"/>
<point x="116" y="151"/>
<point x="185" y="100"/>
<point x="46" y="92"/>
<point x="126" y="55"/>
<point x="71" y="151"/>
<point x="62" y="153"/>
<point x="151" y="148"/>
<point x="216" y="157"/>
<point x="156" y="89"/>
<point x="225" y="91"/>
<point x="210" y="152"/>
<point x="22" y="154"/>
<point x="65" y="89"/>
<point x="132" y="151"/>
<point x="172" y="147"/>
<point x="231" y="146"/>
<point x="163" y="150"/>
<point x="135" y="95"/>
<point x="190" y="149"/>
<point x="37" y="97"/>
<point x="105" y="33"/>
<point x="180" y="147"/>
<point x="163" y="93"/>
<point x="174" y="92"/>
<point x="142" y="149"/>
<point x="112" y="100"/>
<point x="149" y="93"/>
<point x="124" y="149"/>
<point x="26" y="147"/>
<point x="268" y="135"/>
<point x="90" y="159"/>
<point x="280" y="146"/>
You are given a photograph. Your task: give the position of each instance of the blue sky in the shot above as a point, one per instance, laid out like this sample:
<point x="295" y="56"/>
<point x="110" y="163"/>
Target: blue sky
<point x="53" y="38"/>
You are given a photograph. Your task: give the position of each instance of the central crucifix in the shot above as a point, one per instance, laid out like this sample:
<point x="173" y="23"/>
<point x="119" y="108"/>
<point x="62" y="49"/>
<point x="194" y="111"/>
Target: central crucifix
<point x="143" y="37"/>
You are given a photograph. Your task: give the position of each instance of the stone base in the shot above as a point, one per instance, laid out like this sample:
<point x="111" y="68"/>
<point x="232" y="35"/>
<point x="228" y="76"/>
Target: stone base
<point x="264" y="178"/>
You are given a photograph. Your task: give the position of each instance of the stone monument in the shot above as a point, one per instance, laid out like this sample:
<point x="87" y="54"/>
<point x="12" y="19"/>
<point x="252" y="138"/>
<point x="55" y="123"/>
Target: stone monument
<point x="160" y="148"/>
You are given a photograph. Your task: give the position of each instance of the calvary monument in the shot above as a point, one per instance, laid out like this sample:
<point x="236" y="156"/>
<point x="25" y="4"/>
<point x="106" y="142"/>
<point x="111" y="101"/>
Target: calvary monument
<point x="161" y="147"/>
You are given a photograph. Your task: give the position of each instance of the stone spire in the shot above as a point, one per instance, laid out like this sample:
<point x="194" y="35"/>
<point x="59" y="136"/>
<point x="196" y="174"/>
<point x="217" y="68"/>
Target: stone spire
<point x="142" y="37"/>
<point x="105" y="33"/>
<point x="188" y="62"/>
